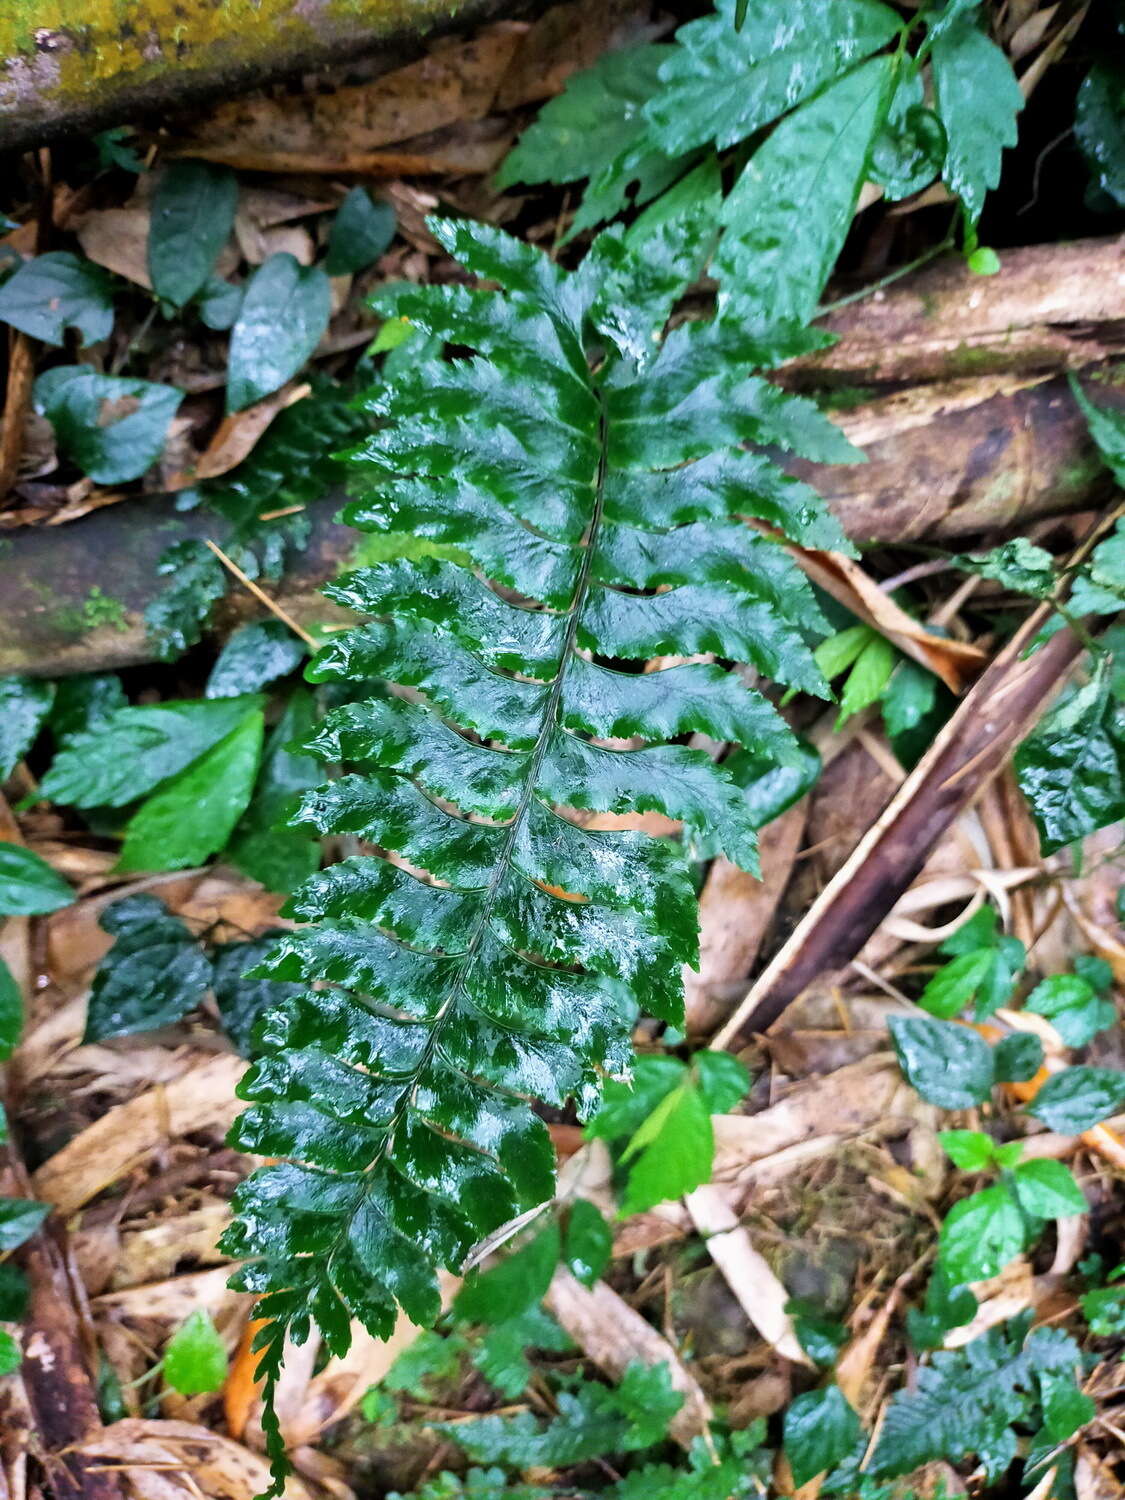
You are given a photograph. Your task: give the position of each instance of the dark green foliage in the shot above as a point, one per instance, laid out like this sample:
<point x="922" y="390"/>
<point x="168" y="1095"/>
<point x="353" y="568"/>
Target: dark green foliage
<point x="978" y="99"/>
<point x="520" y="1280"/>
<point x="1078" y="1098"/>
<point x="361" y="231"/>
<point x="1099" y="126"/>
<point x="24" y="705"/>
<point x="264" y="845"/>
<point x="587" y="1241"/>
<point x="973" y="1401"/>
<point x="284" y="312"/>
<point x="947" y="1306"/>
<point x="19" y="1219"/>
<point x="242" y="1001"/>
<point x="722" y="84"/>
<point x="821" y="1429"/>
<point x="1070" y="768"/>
<point x="75" y="400"/>
<point x="57" y="291"/>
<point x="28" y="885"/>
<point x="192" y="216"/>
<point x="1075" y="1007"/>
<point x="175" y="618"/>
<point x="153" y="975"/>
<point x="596" y="130"/>
<point x="253" y="657"/>
<point x="562" y="457"/>
<point x="85" y="701"/>
<point x="949" y="1065"/>
<point x="592" y="1419"/>
<point x="11" y="1012"/>
<point x="983" y="971"/>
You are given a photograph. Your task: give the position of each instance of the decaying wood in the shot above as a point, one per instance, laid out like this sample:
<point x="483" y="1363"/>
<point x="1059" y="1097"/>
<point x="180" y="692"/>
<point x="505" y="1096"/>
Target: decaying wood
<point x="974" y="745"/>
<point x="938" y="469"/>
<point x="1050" y="307"/>
<point x="65" y="68"/>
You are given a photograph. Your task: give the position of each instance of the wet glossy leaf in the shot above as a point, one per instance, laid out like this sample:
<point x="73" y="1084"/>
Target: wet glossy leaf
<point x="253" y="657"/>
<point x="264" y="846"/>
<point x="1078" y="1098"/>
<point x="153" y="975"/>
<point x="1017" y="1057"/>
<point x="595" y="129"/>
<point x="85" y="701"/>
<point x="19" y="1219"/>
<point x="57" y="291"/>
<point x="949" y="1065"/>
<point x="587" y="1241"/>
<point x="1047" y="1189"/>
<point x="1099" y="126"/>
<point x="981" y="1234"/>
<point x="195" y="1359"/>
<point x="1070" y="767"/>
<point x="242" y="1001"/>
<point x="24" y="705"/>
<point x="195" y="813"/>
<point x="218" y="303"/>
<point x="192" y="217"/>
<point x="821" y="1429"/>
<point x="136" y="749"/>
<point x="978" y="99"/>
<point x="778" y="251"/>
<point x="909" y="150"/>
<point x="113" y="428"/>
<point x="28" y="885"/>
<point x="284" y="312"/>
<point x="722" y="83"/>
<point x="1019" y="565"/>
<point x="11" y="1012"/>
<point x="514" y="1284"/>
<point x="361" y="231"/>
<point x="174" y="620"/>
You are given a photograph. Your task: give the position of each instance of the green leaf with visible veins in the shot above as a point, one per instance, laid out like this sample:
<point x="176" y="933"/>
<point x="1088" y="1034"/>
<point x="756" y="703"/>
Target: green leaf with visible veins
<point x="721" y="83"/>
<point x="948" y="1064"/>
<point x="82" y="406"/>
<point x="978" y="99"/>
<point x="192" y="217"/>
<point x="1078" y="1098"/>
<point x="981" y="1234"/>
<point x="11" y="1012"/>
<point x="968" y="1400"/>
<point x="821" y="1429"/>
<point x="136" y="749"/>
<point x="595" y="129"/>
<point x="284" y="312"/>
<point x="788" y="214"/>
<point x="265" y="846"/>
<point x="1099" y="126"/>
<point x="29" y="887"/>
<point x="153" y="975"/>
<point x="57" y="291"/>
<point x="1070" y="766"/>
<point x="495" y="951"/>
<point x="24" y="705"/>
<point x="195" y="813"/>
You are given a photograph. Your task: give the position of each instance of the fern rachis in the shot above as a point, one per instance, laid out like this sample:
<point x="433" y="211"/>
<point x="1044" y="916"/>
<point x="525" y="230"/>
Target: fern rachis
<point x="591" y="469"/>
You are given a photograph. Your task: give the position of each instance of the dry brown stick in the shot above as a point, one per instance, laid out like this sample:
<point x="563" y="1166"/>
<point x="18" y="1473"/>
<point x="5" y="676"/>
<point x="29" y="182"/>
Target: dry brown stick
<point x="974" y="745"/>
<point x="17" y="399"/>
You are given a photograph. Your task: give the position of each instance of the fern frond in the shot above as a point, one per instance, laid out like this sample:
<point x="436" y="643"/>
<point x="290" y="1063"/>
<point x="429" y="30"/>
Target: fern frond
<point x="495" y="952"/>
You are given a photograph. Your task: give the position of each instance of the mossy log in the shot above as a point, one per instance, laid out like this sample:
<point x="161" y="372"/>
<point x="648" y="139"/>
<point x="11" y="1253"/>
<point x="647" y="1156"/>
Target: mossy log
<point x="938" y="471"/>
<point x="69" y="65"/>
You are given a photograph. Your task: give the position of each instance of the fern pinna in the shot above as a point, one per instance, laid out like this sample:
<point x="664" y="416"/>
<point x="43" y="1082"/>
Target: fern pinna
<point x="493" y="954"/>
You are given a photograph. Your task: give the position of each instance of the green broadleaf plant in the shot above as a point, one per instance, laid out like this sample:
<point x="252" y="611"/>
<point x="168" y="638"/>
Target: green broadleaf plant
<point x="583" y="463"/>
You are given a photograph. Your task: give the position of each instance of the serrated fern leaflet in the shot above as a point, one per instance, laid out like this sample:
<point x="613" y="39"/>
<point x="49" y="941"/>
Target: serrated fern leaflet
<point x="494" y="952"/>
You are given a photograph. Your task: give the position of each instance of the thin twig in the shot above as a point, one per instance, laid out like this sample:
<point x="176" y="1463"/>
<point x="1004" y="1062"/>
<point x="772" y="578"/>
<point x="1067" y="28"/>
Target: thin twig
<point x="260" y="594"/>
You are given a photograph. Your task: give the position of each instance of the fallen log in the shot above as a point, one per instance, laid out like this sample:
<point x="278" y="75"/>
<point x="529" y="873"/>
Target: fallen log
<point x="944" y="463"/>
<point x="66" y="66"/>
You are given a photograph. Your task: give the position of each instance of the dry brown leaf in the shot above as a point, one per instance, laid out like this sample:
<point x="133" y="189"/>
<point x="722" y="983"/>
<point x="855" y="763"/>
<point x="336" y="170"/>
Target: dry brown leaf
<point x="456" y="82"/>
<point x="153" y="1252"/>
<point x="169" y="1460"/>
<point x="611" y="1334"/>
<point x="955" y="662"/>
<point x="760" y="1293"/>
<point x="203" y="1099"/>
<point x="735" y="912"/>
<point x="238" y="434"/>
